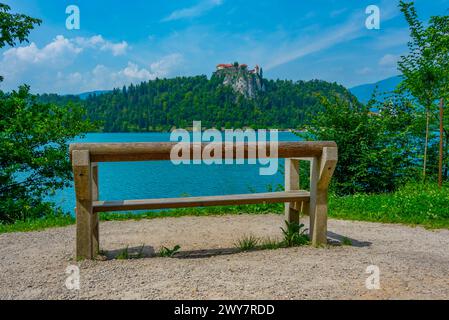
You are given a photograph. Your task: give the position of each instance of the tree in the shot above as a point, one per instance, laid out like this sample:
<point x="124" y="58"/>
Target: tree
<point x="33" y="139"/>
<point x="423" y="68"/>
<point x="375" y="149"/>
<point x="438" y="35"/>
<point x="33" y="152"/>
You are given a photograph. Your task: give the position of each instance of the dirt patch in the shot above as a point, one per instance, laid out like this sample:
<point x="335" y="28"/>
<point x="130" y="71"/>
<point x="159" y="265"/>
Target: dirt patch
<point x="413" y="262"/>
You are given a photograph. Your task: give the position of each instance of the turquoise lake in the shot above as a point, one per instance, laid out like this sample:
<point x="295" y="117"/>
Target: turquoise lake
<point x="162" y="179"/>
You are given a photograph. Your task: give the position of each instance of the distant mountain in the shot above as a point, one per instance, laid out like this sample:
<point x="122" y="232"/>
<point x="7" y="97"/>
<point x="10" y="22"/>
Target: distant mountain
<point x="365" y="91"/>
<point x="83" y="96"/>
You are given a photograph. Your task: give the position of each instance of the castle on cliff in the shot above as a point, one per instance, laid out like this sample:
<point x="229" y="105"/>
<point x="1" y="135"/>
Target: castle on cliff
<point x="241" y="79"/>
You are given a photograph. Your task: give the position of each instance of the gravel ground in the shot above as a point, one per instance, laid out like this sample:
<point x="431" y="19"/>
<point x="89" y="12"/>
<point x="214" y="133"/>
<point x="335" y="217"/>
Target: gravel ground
<point x="413" y="262"/>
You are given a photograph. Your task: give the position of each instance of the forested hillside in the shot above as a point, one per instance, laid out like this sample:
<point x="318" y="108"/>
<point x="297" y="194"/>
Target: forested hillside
<point x="162" y="104"/>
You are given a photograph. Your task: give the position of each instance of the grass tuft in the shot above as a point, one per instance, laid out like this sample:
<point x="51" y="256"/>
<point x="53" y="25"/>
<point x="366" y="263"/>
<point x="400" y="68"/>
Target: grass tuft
<point x="295" y="234"/>
<point x="247" y="243"/>
<point x="167" y="252"/>
<point x="346" y="241"/>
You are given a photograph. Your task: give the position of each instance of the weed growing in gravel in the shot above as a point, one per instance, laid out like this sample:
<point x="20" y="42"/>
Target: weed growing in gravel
<point x="123" y="255"/>
<point x="167" y="252"/>
<point x="126" y="255"/>
<point x="140" y="254"/>
<point x="247" y="243"/>
<point x="294" y="234"/>
<point x="346" y="241"/>
<point x="270" y="244"/>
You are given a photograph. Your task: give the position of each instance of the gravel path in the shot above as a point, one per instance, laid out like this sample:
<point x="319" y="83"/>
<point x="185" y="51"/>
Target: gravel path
<point x="413" y="262"/>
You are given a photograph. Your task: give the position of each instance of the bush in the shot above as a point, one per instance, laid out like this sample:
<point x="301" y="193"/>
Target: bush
<point x="377" y="150"/>
<point x="34" y="153"/>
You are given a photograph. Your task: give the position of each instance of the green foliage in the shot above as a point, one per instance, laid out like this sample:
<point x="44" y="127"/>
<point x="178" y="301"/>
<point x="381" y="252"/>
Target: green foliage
<point x="123" y="255"/>
<point x="33" y="141"/>
<point x="34" y="152"/>
<point x="414" y="204"/>
<point x="425" y="70"/>
<point x="49" y="221"/>
<point x="270" y="244"/>
<point x="294" y="234"/>
<point x="14" y="27"/>
<point x="126" y="255"/>
<point x="346" y="241"/>
<point x="167" y="252"/>
<point x="162" y="104"/>
<point x="247" y="243"/>
<point x="377" y="151"/>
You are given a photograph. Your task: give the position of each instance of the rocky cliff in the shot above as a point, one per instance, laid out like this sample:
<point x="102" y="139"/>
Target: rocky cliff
<point x="241" y="79"/>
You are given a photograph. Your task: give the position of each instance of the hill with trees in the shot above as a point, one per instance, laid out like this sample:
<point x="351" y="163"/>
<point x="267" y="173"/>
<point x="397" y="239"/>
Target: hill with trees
<point x="161" y="104"/>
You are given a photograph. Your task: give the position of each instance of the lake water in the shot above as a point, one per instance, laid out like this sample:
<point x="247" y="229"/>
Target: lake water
<point x="162" y="179"/>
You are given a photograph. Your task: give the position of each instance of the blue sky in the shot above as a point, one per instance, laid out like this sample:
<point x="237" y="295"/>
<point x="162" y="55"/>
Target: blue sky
<point x="122" y="42"/>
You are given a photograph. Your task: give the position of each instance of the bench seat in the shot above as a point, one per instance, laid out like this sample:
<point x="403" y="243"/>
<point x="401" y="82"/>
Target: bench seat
<point x="166" y="203"/>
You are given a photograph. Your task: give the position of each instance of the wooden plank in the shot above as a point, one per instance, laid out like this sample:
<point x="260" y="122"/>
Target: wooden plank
<point x="321" y="172"/>
<point x="95" y="216"/>
<point x="291" y="210"/>
<point x="165" y="203"/>
<point x="116" y="152"/>
<point x="82" y="174"/>
<point x="314" y="176"/>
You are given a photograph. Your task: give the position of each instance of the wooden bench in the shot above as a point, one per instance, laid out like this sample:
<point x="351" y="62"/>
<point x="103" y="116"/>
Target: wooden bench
<point x="85" y="158"/>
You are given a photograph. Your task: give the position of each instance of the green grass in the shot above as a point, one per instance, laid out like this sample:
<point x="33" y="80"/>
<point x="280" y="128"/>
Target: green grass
<point x="66" y="220"/>
<point x="37" y="224"/>
<point x="294" y="236"/>
<point x="346" y="241"/>
<point x="123" y="255"/>
<point x="270" y="244"/>
<point x="247" y="243"/>
<point x="167" y="252"/>
<point x="414" y="204"/>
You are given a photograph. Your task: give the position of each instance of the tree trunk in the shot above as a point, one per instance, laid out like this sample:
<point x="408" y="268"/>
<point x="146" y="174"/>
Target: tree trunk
<point x="440" y="160"/>
<point x="446" y="157"/>
<point x="425" y="146"/>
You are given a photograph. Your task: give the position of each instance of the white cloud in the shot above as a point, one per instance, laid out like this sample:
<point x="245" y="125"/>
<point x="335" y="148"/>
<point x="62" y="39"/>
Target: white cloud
<point x="59" y="59"/>
<point x="388" y="60"/>
<point x="132" y="72"/>
<point x="194" y="11"/>
<point x="102" y="77"/>
<point x="59" y="47"/>
<point x="59" y="52"/>
<point x="98" y="42"/>
<point x="162" y="67"/>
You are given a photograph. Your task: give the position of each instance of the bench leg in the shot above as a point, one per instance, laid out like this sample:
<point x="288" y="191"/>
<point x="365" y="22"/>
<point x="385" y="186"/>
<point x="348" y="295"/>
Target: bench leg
<point x="82" y="172"/>
<point x="95" y="216"/>
<point x="292" y="209"/>
<point x="321" y="170"/>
